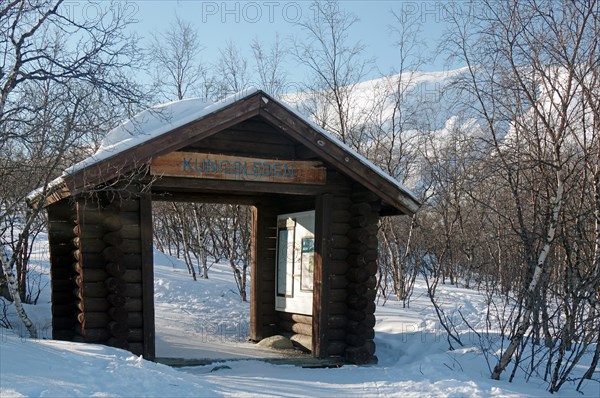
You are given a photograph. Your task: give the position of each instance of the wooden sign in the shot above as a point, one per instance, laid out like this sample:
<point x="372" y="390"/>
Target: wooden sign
<point x="224" y="167"/>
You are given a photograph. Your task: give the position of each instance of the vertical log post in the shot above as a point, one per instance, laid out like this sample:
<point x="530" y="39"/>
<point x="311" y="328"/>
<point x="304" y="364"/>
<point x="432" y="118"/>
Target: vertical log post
<point x="322" y="270"/>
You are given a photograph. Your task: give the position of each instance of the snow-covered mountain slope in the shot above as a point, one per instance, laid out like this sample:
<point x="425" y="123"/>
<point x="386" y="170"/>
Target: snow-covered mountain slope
<point x="414" y="359"/>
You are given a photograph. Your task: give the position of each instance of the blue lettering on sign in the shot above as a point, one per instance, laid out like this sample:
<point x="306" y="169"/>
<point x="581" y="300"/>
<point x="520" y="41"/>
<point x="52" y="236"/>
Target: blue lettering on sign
<point x="187" y="165"/>
<point x="226" y="167"/>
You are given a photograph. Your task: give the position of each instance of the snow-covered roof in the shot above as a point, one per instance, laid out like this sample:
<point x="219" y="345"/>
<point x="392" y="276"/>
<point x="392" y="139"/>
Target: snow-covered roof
<point x="153" y="122"/>
<point x="164" y="118"/>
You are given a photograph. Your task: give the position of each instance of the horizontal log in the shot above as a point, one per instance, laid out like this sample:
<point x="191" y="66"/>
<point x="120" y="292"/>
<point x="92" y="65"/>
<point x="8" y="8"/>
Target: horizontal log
<point x="115" y="285"/>
<point x="371" y="282"/>
<point x="131" y="231"/>
<point x="136" y="348"/>
<point x="77" y="338"/>
<point x="359" y="221"/>
<point x="357" y="327"/>
<point x="118" y="314"/>
<point x="364" y="196"/>
<point x="62" y="271"/>
<point x="341" y="216"/>
<point x="336" y="334"/>
<point x="118" y="342"/>
<point x="89" y="245"/>
<point x="133" y="261"/>
<point x="62" y="334"/>
<point x="91" y="290"/>
<point x="116" y="269"/>
<point x="297" y="328"/>
<point x="112" y="223"/>
<point x="62" y="285"/>
<point x="357" y="248"/>
<point x="338" y="295"/>
<point x="94" y="275"/>
<point x="337" y="308"/>
<point x="337" y="321"/>
<point x="77" y="254"/>
<point x="369" y="321"/>
<point x="356" y="260"/>
<point x="64" y="310"/>
<point x="131" y="246"/>
<point x="354" y="340"/>
<point x="357" y="315"/>
<point x="339" y="228"/>
<point x="132" y="276"/>
<point x="62" y="249"/>
<point x="338" y="282"/>
<point x="357" y="275"/>
<point x="63" y="322"/>
<point x="297" y="318"/>
<point x="358" y="235"/>
<point x="370" y="347"/>
<point x="357" y="302"/>
<point x="118" y="329"/>
<point x="93" y="319"/>
<point x="61" y="211"/>
<point x="59" y="263"/>
<point x="339" y="254"/>
<point x="362" y="254"/>
<point x="340" y="241"/>
<point x="117" y="300"/>
<point x="269" y="319"/>
<point x="134" y="305"/>
<point x="135" y="335"/>
<point x="113" y="238"/>
<point x="360" y="209"/>
<point x="60" y="229"/>
<point x="90" y="231"/>
<point x="371" y="307"/>
<point x="112" y="254"/>
<point x="129" y="205"/>
<point x="128" y="231"/>
<point x="336" y="348"/>
<point x="302" y="341"/>
<point x="93" y="304"/>
<point x="358" y="355"/>
<point x="62" y="296"/>
<point x="135" y="320"/>
<point x="93" y="335"/>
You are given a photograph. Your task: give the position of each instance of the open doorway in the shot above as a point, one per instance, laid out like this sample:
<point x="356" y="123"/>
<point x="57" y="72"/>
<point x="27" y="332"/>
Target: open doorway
<point x="202" y="259"/>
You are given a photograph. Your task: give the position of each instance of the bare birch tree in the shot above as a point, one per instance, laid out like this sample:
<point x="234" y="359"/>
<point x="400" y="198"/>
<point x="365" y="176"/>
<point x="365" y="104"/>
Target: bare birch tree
<point x="54" y="69"/>
<point x="524" y="62"/>
<point x="336" y="66"/>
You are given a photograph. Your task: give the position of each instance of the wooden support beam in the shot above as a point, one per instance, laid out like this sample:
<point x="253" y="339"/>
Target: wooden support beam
<point x="147" y="283"/>
<point x="322" y="270"/>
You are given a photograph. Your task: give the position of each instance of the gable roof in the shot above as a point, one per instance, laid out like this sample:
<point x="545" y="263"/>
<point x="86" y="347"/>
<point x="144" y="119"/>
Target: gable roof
<point x="151" y="133"/>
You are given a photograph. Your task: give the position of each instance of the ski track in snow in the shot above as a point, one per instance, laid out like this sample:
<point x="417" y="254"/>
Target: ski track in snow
<point x="414" y="360"/>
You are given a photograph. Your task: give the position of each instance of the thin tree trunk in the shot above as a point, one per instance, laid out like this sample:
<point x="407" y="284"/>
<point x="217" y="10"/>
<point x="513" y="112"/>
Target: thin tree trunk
<point x="532" y="289"/>
<point x="14" y="291"/>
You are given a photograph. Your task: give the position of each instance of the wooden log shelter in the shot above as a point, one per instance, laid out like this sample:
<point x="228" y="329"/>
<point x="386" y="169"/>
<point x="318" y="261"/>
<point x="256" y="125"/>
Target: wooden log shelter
<point x="316" y="205"/>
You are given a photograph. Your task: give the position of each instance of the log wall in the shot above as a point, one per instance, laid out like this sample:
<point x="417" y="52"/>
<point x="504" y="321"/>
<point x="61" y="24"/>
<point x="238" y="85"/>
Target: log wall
<point x="360" y="276"/>
<point x="61" y="224"/>
<point x="337" y="319"/>
<point x="108" y="275"/>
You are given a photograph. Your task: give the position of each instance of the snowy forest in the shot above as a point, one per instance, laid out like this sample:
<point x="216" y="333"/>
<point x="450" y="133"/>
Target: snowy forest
<point x="503" y="153"/>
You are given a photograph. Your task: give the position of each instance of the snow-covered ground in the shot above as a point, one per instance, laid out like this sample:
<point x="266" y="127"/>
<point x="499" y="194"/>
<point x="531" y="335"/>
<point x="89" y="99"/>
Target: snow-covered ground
<point x="414" y="359"/>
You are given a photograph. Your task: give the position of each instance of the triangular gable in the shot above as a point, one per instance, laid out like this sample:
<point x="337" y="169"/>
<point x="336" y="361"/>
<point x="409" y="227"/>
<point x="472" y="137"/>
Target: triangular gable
<point x="213" y="118"/>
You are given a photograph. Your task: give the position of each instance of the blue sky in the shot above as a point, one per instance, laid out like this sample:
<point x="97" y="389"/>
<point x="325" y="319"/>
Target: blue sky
<point x="241" y="21"/>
